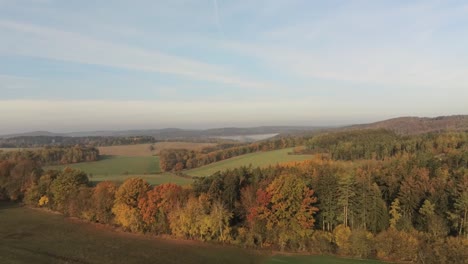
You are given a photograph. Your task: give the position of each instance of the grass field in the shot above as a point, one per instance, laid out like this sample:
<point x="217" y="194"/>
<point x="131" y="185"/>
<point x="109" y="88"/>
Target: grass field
<point x="318" y="260"/>
<point x="144" y="149"/>
<point x="119" y="168"/>
<point x="117" y="165"/>
<point x="258" y="159"/>
<point x="32" y="236"/>
<point x="154" y="179"/>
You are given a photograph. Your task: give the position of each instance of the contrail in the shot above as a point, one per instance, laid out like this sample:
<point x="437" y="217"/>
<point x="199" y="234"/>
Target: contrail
<point x="216" y="13"/>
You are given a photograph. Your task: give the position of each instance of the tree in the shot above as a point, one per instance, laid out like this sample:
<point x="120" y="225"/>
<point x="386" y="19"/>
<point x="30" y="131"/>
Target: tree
<point x="189" y="221"/>
<point x="286" y="207"/>
<point x="219" y="222"/>
<point x="396" y="245"/>
<point x="460" y="211"/>
<point x="125" y="206"/>
<point x="156" y="204"/>
<point x="395" y="213"/>
<point x="103" y="198"/>
<point x="66" y="187"/>
<point x="346" y="191"/>
<point x="342" y="234"/>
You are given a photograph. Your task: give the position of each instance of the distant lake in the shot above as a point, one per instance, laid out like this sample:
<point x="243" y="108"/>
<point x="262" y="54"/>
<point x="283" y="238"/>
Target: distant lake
<point x="249" y="138"/>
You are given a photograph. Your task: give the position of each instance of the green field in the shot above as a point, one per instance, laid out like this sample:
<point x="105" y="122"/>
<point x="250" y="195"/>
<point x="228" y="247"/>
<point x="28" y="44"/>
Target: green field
<point x="153" y="179"/>
<point x="117" y="165"/>
<point x="119" y="168"/>
<point x="318" y="260"/>
<point x="33" y="236"/>
<point x="258" y="159"/>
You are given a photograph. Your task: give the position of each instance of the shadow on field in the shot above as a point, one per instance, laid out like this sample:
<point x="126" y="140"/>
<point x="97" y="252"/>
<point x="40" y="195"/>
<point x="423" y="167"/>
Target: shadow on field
<point x="106" y="157"/>
<point x="8" y="205"/>
<point x="50" y="255"/>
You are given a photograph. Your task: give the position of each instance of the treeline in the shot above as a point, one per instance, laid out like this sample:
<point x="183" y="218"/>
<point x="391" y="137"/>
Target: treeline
<point x="43" y="141"/>
<point x="382" y="144"/>
<point x="180" y="159"/>
<point x="53" y="155"/>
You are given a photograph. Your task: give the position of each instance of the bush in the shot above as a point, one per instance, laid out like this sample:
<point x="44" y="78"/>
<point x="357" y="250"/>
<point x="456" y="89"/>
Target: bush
<point x="396" y="245"/>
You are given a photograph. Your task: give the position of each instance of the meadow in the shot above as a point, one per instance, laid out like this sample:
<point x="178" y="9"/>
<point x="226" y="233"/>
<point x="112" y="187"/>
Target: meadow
<point x="117" y="165"/>
<point x="153" y="179"/>
<point x="120" y="168"/>
<point x="257" y="159"/>
<point x="34" y="236"/>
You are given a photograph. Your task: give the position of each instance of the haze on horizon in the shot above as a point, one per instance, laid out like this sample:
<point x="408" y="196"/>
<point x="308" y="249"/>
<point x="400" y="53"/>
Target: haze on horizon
<point x="88" y="65"/>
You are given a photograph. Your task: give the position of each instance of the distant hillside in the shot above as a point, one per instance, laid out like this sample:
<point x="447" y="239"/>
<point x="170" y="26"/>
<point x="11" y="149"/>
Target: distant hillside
<point x="176" y="133"/>
<point x="419" y="125"/>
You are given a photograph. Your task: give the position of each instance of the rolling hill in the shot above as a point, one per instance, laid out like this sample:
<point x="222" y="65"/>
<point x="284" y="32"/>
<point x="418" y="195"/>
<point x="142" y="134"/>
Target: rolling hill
<point x="419" y="125"/>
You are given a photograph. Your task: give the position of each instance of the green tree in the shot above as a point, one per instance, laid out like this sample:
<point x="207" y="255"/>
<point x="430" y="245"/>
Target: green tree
<point x="66" y="187"/>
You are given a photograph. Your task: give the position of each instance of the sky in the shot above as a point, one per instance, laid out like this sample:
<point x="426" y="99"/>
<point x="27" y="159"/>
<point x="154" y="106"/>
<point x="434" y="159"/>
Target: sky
<point x="115" y="65"/>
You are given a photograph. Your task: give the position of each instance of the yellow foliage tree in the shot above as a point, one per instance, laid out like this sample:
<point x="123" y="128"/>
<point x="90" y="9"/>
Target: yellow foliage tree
<point x="341" y="235"/>
<point x="44" y="200"/>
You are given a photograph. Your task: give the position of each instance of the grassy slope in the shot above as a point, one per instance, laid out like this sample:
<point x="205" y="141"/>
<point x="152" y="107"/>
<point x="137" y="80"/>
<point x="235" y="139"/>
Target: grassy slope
<point x="317" y="260"/>
<point x="32" y="236"/>
<point x="258" y="159"/>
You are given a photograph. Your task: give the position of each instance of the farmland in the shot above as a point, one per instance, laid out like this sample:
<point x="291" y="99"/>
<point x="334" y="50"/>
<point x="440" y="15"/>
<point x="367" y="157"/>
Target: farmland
<point x="119" y="168"/>
<point x="258" y="159"/>
<point x="117" y="165"/>
<point x="34" y="236"/>
<point x="145" y="149"/>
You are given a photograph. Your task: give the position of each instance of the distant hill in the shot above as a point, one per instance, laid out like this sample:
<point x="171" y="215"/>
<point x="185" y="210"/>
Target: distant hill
<point x="401" y="125"/>
<point x="419" y="125"/>
<point x="176" y="133"/>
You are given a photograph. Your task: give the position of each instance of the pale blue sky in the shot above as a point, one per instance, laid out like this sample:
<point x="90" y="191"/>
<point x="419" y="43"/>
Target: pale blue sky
<point x="88" y="65"/>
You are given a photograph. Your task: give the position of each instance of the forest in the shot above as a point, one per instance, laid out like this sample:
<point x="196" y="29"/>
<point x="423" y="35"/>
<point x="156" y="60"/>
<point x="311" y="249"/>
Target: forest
<point x="44" y="141"/>
<point x="365" y="194"/>
<point x="53" y="155"/>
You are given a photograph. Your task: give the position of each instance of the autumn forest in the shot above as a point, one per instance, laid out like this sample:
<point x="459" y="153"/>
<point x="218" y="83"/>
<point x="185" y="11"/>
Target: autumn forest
<point x="367" y="193"/>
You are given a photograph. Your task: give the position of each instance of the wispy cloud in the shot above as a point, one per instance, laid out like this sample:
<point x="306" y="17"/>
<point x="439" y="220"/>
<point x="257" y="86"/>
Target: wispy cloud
<point x="43" y="42"/>
<point x="379" y="46"/>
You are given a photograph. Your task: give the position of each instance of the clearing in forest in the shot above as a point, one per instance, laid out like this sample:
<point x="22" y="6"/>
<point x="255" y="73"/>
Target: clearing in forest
<point x="257" y="159"/>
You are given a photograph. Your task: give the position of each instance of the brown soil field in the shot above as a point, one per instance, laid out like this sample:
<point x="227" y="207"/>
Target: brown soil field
<point x="144" y="149"/>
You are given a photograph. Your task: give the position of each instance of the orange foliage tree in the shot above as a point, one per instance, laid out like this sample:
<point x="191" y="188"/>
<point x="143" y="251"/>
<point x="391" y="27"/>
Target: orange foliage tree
<point x="156" y="204"/>
<point x="286" y="209"/>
